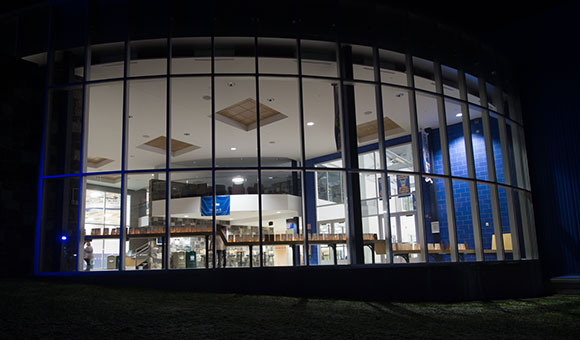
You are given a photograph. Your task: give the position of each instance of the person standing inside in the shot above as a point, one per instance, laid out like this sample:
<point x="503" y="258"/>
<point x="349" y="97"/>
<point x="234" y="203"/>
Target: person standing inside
<point x="88" y="255"/>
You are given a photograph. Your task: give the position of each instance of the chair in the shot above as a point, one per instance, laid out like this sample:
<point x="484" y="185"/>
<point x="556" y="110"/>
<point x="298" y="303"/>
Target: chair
<point x="507" y="242"/>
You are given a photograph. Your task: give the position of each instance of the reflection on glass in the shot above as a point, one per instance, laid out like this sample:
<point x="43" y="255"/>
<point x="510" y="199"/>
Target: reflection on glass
<point x="191" y="122"/>
<point x="104" y="125"/>
<point x="505" y="222"/>
<point x="145" y="211"/>
<point x="102" y="221"/>
<point x="146" y="132"/>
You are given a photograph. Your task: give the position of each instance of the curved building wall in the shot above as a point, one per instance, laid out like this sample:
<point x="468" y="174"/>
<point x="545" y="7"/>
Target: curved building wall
<point x="316" y="144"/>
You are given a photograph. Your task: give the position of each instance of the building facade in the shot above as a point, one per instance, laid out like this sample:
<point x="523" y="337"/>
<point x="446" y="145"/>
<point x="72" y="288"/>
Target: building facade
<point x="185" y="139"/>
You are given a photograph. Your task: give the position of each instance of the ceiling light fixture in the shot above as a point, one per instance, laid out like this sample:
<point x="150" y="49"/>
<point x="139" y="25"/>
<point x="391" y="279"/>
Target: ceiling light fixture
<point x="368" y="112"/>
<point x="459" y="114"/>
<point x="186" y="134"/>
<point x="399" y="95"/>
<point x="233" y="148"/>
<point x="238" y="180"/>
<point x="272" y="142"/>
<point x="206" y="97"/>
<point x="310" y="123"/>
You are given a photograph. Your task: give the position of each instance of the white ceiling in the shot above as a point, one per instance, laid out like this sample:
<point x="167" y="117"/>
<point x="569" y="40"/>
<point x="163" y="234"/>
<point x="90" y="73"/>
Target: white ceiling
<point x="191" y="112"/>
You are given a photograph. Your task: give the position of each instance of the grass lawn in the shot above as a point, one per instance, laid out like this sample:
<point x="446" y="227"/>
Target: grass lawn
<point x="36" y="309"/>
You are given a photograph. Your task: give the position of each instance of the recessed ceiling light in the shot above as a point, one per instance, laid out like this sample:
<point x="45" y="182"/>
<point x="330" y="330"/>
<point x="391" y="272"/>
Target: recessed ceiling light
<point x="270" y="177"/>
<point x="152" y="175"/>
<point x="238" y="180"/>
<point x="368" y="112"/>
<point x="233" y="148"/>
<point x="145" y="136"/>
<point x="185" y="215"/>
<point x="399" y="95"/>
<point x="310" y="123"/>
<point x="130" y="116"/>
<point x="272" y="142"/>
<point x="186" y="134"/>
<point x="270" y="100"/>
<point x="277" y="212"/>
<point x="459" y="114"/>
<point x="231" y="84"/>
<point x="206" y="97"/>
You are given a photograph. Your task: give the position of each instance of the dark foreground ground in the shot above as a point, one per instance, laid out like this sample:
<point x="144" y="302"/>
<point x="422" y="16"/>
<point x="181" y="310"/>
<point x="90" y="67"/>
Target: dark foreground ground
<point x="33" y="309"/>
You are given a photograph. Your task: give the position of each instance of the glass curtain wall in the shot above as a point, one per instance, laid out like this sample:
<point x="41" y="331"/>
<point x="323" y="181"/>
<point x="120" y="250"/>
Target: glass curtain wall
<point x="219" y="152"/>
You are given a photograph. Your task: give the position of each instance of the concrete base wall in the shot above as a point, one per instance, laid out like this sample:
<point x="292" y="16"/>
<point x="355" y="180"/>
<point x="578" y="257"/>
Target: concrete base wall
<point x="415" y="282"/>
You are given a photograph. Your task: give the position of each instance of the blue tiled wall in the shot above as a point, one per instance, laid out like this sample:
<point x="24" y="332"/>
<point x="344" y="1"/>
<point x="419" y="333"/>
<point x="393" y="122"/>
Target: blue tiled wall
<point x="461" y="194"/>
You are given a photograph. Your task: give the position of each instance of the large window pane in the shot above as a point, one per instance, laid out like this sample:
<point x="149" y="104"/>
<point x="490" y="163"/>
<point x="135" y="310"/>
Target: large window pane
<point x="63" y="131"/>
<point x="234" y="55"/>
<point x="191" y="122"/>
<point x="328" y="223"/>
<point x="367" y="127"/>
<point x="107" y="61"/>
<point x="450" y="78"/>
<point x="104" y="127"/>
<point x="478" y="143"/>
<point x="397" y="121"/>
<point x="505" y="222"/>
<point x="59" y="222"/>
<point x="191" y="223"/>
<point x="146" y="132"/>
<point x="424" y="74"/>
<point x="463" y="221"/>
<point x="236" y="121"/>
<point x="190" y="55"/>
<point x="322" y="126"/>
<point x="436" y="220"/>
<point x="404" y="219"/>
<point x="280" y="134"/>
<point x="319" y="58"/>
<point x="148" y="57"/>
<point x="277" y="56"/>
<point x="145" y="211"/>
<point x="241" y="222"/>
<point x="282" y="224"/>
<point x="455" y="138"/>
<point x="393" y="69"/>
<point x="101" y="221"/>
<point x="486" y="220"/>
<point x="428" y="122"/>
<point x="363" y="65"/>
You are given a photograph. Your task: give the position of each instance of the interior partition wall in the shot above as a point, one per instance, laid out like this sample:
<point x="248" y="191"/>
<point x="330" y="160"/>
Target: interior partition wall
<point x="169" y="152"/>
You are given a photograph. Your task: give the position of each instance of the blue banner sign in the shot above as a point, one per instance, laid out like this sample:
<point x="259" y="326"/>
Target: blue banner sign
<point x="403" y="186"/>
<point x="222" y="205"/>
